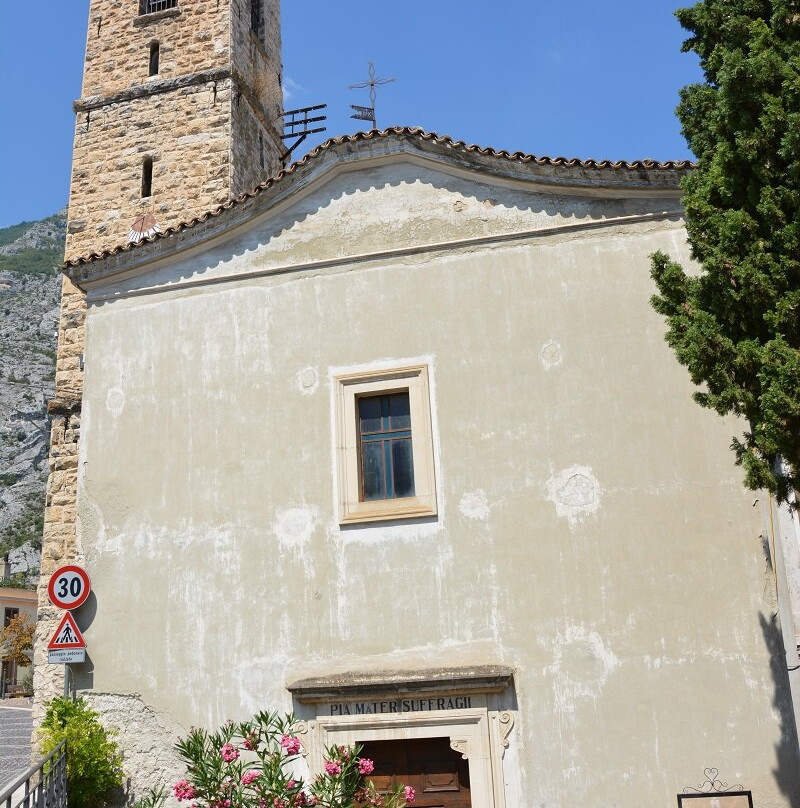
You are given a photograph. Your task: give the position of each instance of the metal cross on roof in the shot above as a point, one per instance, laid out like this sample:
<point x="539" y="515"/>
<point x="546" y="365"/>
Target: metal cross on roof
<point x="368" y="113"/>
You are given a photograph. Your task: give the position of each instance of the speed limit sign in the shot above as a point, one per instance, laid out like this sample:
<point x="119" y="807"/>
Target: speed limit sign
<point x="69" y="587"/>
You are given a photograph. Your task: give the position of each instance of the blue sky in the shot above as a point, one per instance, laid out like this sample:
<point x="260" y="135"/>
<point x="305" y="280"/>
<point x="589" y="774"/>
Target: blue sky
<point x="576" y="78"/>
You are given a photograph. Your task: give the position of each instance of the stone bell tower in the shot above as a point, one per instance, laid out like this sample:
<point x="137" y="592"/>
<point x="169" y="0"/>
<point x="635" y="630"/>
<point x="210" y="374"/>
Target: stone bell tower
<point x="179" y="112"/>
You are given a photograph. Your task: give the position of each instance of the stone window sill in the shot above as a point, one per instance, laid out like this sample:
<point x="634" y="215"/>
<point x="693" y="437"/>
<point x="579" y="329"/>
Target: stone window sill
<point x="156" y="16"/>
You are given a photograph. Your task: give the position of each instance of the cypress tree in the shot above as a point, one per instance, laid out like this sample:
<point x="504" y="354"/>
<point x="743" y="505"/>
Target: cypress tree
<point x="736" y="324"/>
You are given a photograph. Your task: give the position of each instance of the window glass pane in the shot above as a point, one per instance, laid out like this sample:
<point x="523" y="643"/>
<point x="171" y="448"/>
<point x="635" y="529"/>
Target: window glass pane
<point x="373" y="470"/>
<point x="399" y="411"/>
<point x="403" y="468"/>
<point x="369" y="412"/>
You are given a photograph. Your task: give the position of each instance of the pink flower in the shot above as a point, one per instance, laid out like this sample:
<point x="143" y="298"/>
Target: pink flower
<point x="247" y="743"/>
<point x="229" y="752"/>
<point x="291" y="744"/>
<point x="290" y="784"/>
<point x="332" y="767"/>
<point x="183" y="791"/>
<point x="365" y="766"/>
<point x="249" y="776"/>
<point x="410" y="794"/>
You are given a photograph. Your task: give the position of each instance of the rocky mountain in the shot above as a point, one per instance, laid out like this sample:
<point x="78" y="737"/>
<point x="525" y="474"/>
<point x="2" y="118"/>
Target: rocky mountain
<point x="29" y="295"/>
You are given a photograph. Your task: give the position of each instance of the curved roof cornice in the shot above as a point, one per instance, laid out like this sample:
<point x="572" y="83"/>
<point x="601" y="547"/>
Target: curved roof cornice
<point x="565" y="173"/>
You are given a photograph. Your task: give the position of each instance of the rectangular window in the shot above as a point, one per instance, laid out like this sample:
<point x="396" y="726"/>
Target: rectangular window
<point x="10" y="614"/>
<point x="384" y="445"/>
<point x="151" y="6"/>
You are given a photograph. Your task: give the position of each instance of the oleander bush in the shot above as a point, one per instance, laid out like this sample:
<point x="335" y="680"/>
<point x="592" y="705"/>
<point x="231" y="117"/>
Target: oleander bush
<point x="252" y="765"/>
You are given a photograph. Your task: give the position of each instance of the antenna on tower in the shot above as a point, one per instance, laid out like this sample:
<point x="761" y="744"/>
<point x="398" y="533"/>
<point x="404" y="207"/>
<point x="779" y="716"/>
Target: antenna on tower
<point x="297" y="126"/>
<point x="368" y="113"/>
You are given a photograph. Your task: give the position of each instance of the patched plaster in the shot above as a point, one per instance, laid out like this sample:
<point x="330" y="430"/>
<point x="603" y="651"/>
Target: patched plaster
<point x="551" y="355"/>
<point x="474" y="505"/>
<point x="575" y="492"/>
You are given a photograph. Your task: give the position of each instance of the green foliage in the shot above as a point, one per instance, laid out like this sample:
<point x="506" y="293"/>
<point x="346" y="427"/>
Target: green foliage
<point x="154" y="798"/>
<point x="13" y="232"/>
<point x="94" y="764"/>
<point x="48" y="352"/>
<point x="736" y="325"/>
<point x="41" y="261"/>
<point x="19" y="580"/>
<point x="249" y="765"/>
<point x="16" y="640"/>
<point x="27" y="526"/>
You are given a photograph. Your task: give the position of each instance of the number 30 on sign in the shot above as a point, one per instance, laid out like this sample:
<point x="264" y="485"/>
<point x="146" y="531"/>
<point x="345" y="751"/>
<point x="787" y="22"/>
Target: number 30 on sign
<point x="69" y="587"/>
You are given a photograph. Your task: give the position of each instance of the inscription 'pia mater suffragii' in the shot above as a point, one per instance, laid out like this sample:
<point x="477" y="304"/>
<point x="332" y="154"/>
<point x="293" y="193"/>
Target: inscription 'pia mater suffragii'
<point x="400" y="706"/>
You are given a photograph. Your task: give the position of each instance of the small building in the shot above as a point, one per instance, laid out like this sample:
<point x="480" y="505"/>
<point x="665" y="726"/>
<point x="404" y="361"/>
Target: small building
<point x="14" y="601"/>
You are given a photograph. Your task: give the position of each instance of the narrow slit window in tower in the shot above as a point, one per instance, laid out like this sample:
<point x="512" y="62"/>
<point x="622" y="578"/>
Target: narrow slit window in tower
<point x="155" y="49"/>
<point x="257" y="19"/>
<point x="147" y="177"/>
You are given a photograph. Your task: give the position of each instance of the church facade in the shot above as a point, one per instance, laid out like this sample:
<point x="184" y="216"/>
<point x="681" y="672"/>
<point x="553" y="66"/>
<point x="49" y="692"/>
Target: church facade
<point x="393" y="441"/>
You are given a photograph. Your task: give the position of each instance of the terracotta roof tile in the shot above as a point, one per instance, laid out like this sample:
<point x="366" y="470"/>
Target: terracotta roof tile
<point x="376" y="134"/>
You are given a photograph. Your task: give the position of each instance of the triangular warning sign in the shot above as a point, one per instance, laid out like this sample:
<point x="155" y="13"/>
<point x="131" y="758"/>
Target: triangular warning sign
<point x="67" y="635"/>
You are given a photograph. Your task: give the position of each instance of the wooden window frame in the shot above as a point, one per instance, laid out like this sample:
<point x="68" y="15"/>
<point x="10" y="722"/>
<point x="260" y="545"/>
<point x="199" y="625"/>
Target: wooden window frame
<point x="347" y="390"/>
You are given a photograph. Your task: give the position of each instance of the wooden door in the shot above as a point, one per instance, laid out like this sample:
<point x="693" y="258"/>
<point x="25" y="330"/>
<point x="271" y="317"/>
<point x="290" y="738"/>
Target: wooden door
<point x="438" y="774"/>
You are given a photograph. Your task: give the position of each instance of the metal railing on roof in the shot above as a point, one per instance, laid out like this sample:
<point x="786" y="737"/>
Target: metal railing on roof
<point x="42" y="786"/>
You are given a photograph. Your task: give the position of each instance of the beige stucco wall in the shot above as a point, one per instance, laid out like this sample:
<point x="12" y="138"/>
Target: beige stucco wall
<point x="592" y="531"/>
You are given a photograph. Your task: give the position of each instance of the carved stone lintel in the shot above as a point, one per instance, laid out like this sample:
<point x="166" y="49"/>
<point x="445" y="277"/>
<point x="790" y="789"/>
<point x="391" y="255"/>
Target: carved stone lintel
<point x="461" y="746"/>
<point x="394" y="684"/>
<point x="506" y="721"/>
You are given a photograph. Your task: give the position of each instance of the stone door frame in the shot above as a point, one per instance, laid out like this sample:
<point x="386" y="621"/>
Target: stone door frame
<point x="469" y="730"/>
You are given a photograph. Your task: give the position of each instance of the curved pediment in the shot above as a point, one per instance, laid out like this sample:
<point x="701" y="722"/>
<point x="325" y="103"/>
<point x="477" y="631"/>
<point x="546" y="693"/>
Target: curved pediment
<point x="366" y="203"/>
